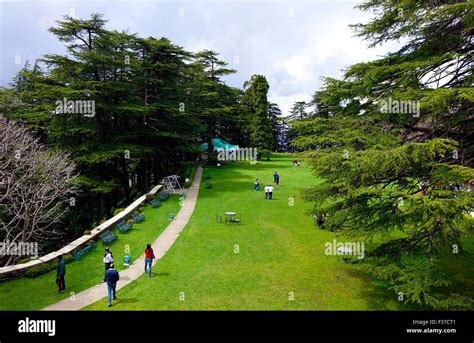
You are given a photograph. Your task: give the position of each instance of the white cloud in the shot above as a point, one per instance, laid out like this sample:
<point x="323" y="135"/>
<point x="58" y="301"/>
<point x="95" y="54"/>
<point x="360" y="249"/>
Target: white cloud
<point x="292" y="52"/>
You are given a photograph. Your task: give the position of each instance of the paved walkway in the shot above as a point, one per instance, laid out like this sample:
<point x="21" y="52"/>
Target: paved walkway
<point x="160" y="247"/>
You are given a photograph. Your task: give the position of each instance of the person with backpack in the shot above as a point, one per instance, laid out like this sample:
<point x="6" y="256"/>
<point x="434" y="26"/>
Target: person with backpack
<point x="60" y="273"/>
<point x="149" y="256"/>
<point x="111" y="277"/>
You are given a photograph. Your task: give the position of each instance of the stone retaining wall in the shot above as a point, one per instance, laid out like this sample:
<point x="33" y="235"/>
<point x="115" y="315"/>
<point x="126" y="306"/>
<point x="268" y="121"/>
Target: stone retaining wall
<point x="9" y="271"/>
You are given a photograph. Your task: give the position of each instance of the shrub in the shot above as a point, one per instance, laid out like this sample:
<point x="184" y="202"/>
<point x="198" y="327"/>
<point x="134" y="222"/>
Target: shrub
<point x="264" y="154"/>
<point x="118" y="210"/>
<point x="24" y="260"/>
<point x="87" y="232"/>
<point x="130" y="221"/>
<point x="187" y="171"/>
<point x="68" y="258"/>
<point x="39" y="270"/>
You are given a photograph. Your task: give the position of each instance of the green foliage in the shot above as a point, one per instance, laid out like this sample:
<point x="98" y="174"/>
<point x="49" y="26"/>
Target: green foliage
<point x="153" y="102"/>
<point x="255" y="113"/>
<point x="396" y="173"/>
<point x="39" y="270"/>
<point x="187" y="171"/>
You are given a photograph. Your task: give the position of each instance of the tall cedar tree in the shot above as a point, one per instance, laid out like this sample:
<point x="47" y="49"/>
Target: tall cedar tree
<point x="215" y="102"/>
<point x="255" y="112"/>
<point x="153" y="100"/>
<point x="402" y="175"/>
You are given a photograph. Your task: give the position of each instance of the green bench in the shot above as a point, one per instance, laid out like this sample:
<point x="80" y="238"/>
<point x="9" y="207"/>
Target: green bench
<point x="164" y="196"/>
<point x="108" y="237"/>
<point x="123" y="227"/>
<point x="138" y="217"/>
<point x="209" y="185"/>
<point x="207" y="177"/>
<point x="80" y="253"/>
<point x="155" y="203"/>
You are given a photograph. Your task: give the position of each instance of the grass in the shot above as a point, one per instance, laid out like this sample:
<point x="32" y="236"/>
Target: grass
<point x="39" y="292"/>
<point x="274" y="260"/>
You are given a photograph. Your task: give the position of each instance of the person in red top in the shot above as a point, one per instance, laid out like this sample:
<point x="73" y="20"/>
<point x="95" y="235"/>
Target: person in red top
<point x="149" y="256"/>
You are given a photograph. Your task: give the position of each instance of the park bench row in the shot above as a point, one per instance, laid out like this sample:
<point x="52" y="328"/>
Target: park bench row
<point x="108" y="237"/>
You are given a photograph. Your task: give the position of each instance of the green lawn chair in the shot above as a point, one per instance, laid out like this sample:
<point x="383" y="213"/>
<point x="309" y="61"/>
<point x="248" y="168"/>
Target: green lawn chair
<point x="155" y="203"/>
<point x="138" y="217"/>
<point x="124" y="227"/>
<point x="164" y="196"/>
<point x="80" y="253"/>
<point x="108" y="237"/>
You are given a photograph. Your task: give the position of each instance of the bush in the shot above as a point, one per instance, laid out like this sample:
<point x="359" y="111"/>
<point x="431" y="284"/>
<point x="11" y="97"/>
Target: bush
<point x="68" y="258"/>
<point x="212" y="159"/>
<point x="264" y="154"/>
<point x="187" y="171"/>
<point x="87" y="232"/>
<point x="39" y="270"/>
<point x="24" y="260"/>
<point x="130" y="221"/>
<point x="118" y="210"/>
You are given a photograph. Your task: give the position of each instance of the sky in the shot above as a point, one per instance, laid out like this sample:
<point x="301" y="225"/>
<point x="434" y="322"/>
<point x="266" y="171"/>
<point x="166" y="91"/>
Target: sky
<point x="292" y="43"/>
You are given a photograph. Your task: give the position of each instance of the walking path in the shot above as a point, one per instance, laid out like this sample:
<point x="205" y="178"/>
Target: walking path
<point x="136" y="269"/>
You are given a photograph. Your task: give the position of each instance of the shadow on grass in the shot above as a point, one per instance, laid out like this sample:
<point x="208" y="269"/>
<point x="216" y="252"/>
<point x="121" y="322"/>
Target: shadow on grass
<point x="378" y="294"/>
<point x="125" y="301"/>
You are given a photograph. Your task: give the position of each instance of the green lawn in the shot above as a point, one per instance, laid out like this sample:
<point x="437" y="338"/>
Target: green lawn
<point x="274" y="260"/>
<point x="36" y="293"/>
<point x="280" y="253"/>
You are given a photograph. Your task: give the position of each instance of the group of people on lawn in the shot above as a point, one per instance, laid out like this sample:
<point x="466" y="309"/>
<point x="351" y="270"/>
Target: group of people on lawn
<point x="111" y="276"/>
<point x="268" y="189"/>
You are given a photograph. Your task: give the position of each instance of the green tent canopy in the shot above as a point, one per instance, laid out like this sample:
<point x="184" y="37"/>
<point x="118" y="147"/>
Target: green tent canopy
<point x="220" y="144"/>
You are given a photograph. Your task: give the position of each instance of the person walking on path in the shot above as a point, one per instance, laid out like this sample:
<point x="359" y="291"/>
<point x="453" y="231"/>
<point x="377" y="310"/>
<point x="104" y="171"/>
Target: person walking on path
<point x="257" y="185"/>
<point x="111" y="277"/>
<point x="60" y="273"/>
<point x="149" y="256"/>
<point x="270" y="192"/>
<point x="265" y="189"/>
<point x="108" y="260"/>
<point x="276" y="178"/>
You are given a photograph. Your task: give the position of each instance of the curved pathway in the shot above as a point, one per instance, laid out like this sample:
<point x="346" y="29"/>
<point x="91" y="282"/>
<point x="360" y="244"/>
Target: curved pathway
<point x="135" y="270"/>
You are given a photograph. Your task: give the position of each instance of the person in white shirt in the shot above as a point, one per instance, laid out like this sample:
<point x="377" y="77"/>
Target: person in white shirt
<point x="108" y="260"/>
<point x="270" y="192"/>
<point x="266" y="191"/>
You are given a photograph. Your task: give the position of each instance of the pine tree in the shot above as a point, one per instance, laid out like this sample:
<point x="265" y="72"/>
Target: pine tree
<point x="395" y="173"/>
<point x="255" y="111"/>
<point x="298" y="110"/>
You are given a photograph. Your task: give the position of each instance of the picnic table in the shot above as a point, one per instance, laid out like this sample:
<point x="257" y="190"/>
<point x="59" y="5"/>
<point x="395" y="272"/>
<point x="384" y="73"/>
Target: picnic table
<point x="230" y="217"/>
